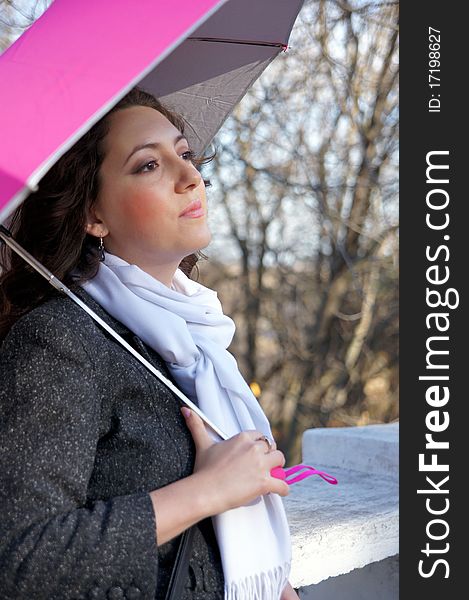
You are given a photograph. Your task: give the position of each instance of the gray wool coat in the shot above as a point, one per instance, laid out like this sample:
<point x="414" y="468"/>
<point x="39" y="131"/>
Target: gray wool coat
<point x="86" y="432"/>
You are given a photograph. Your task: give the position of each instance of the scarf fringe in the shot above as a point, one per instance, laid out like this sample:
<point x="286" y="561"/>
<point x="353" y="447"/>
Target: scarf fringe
<point x="264" y="586"/>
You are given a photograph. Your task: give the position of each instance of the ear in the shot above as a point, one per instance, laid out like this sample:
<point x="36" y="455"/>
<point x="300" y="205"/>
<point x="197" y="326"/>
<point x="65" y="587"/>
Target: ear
<point x="94" y="225"/>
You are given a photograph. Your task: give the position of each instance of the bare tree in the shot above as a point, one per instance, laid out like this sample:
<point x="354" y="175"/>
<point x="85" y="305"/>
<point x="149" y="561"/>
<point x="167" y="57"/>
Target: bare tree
<point x="16" y="16"/>
<point x="305" y="192"/>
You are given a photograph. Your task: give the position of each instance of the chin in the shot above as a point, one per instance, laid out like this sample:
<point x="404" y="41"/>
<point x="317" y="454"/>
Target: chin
<point x="203" y="240"/>
<point x="196" y="240"/>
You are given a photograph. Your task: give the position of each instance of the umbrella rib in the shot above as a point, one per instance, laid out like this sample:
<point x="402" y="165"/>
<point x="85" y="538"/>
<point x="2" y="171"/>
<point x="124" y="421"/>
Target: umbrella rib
<point x="235" y="41"/>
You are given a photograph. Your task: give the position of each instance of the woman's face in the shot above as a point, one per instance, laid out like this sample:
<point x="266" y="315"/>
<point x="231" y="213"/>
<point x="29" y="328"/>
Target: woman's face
<point x="152" y="208"/>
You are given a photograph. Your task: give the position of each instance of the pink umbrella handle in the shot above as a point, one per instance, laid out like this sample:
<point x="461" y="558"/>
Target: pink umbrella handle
<point x="285" y="474"/>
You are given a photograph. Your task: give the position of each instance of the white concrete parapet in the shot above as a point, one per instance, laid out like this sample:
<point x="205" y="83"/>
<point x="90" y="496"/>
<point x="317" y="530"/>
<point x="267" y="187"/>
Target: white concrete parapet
<point x="338" y="528"/>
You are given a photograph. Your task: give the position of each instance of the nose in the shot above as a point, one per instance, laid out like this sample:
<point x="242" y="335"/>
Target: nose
<point x="187" y="177"/>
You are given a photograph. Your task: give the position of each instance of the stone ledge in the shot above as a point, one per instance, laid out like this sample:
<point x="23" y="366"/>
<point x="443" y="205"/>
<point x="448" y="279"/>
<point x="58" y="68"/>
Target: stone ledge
<point x="336" y="529"/>
<point x="378" y="580"/>
<point x="373" y="448"/>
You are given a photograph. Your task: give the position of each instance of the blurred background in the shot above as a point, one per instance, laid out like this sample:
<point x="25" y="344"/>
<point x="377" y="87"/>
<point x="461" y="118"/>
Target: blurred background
<point x="304" y="213"/>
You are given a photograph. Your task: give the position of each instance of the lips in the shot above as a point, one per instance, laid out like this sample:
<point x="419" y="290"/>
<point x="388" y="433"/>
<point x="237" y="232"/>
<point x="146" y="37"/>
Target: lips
<point x="194" y="210"/>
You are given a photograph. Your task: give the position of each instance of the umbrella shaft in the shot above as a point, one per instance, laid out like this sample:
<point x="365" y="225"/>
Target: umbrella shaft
<point x="7" y="238"/>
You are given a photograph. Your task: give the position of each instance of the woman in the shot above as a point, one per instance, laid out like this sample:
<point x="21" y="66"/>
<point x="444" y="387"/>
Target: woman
<point x="100" y="469"/>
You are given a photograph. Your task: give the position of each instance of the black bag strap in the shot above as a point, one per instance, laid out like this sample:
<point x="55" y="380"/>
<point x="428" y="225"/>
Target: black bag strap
<point x="181" y="564"/>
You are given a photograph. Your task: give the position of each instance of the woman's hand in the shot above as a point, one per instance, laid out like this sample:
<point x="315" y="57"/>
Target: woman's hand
<point x="226" y="475"/>
<point x="236" y="471"/>
<point x="289" y="593"/>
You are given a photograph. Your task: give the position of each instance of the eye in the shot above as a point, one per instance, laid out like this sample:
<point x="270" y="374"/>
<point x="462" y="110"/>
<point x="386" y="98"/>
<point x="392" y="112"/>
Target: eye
<point x="147" y="167"/>
<point x="188" y="155"/>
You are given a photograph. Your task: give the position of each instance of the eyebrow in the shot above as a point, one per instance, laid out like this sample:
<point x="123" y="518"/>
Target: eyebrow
<point x="152" y="145"/>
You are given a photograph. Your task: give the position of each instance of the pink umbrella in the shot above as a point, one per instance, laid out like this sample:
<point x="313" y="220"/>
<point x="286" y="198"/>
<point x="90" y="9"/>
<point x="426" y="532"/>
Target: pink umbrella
<point x="80" y="58"/>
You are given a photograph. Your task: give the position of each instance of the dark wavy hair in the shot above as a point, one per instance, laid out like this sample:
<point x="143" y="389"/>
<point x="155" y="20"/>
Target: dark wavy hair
<point x="51" y="222"/>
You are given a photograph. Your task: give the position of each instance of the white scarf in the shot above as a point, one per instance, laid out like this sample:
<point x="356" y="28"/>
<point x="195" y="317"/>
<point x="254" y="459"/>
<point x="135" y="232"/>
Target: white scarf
<point x="187" y="327"/>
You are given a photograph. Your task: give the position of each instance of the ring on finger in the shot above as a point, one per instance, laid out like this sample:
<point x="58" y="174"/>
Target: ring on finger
<point x="267" y="440"/>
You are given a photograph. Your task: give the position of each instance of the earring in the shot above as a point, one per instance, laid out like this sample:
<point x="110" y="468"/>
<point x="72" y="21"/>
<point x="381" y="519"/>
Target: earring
<point x="101" y="250"/>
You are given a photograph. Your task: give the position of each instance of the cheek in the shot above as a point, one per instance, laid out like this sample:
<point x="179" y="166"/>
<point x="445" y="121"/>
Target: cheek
<point x="142" y="210"/>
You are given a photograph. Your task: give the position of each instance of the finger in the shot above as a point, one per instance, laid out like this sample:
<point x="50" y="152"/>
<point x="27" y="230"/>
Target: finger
<point x="275" y="458"/>
<point x="269" y="444"/>
<point x="258" y="436"/>
<point x="252" y="434"/>
<point x="277" y="486"/>
<point x="196" y="426"/>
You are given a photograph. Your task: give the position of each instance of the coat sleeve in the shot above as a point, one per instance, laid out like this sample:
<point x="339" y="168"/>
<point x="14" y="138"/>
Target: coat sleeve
<point x="53" y="543"/>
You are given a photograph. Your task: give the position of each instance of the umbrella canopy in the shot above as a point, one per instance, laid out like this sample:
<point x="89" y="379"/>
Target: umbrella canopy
<point x="199" y="57"/>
